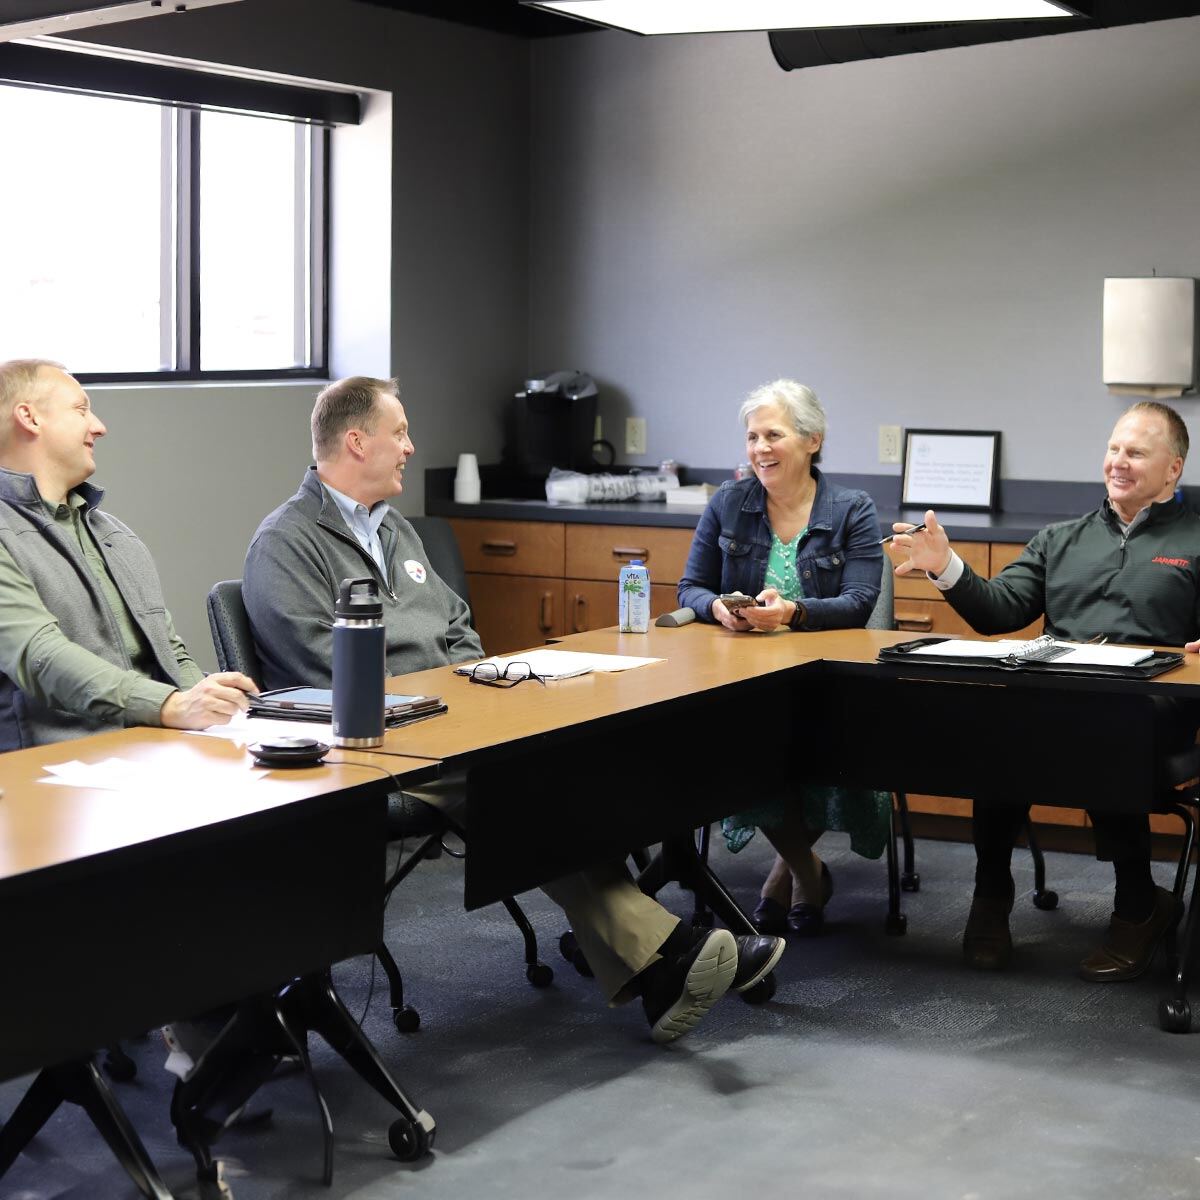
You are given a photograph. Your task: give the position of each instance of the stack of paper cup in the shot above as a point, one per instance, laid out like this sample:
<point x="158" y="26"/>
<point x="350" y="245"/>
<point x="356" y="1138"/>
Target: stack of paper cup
<point x="466" y="480"/>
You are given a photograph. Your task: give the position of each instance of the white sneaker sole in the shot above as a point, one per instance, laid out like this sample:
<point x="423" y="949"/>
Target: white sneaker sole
<point x="707" y="981"/>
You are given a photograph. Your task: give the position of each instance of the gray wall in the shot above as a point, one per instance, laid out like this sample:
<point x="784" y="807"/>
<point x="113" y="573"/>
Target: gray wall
<point x="923" y="240"/>
<point x="459" y="254"/>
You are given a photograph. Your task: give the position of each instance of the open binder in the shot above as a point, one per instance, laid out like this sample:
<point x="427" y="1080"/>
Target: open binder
<point x="1045" y="654"/>
<point x="316" y="704"/>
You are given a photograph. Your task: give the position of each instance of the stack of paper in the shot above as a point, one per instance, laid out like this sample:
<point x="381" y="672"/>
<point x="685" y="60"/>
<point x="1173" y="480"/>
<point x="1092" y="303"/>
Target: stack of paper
<point x="696" y="494"/>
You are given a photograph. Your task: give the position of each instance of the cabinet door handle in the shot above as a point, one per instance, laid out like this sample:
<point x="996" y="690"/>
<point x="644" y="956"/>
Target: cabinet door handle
<point x="624" y="553"/>
<point x="913" y="622"/>
<point x="496" y="546"/>
<point x="581" y="624"/>
<point x="546" y="616"/>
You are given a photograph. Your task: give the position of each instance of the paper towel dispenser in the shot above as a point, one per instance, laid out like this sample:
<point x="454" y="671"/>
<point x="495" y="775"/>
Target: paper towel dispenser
<point x="1150" y="336"/>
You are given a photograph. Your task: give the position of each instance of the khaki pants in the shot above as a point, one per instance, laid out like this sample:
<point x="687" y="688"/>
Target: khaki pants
<point x="618" y="927"/>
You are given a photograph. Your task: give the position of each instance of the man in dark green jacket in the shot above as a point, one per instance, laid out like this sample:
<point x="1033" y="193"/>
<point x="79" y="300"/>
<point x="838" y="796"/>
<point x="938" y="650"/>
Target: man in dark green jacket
<point x="1130" y="572"/>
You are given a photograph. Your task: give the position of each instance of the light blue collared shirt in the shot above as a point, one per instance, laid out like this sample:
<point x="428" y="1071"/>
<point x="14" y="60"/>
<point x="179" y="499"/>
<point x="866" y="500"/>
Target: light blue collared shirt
<point x="364" y="524"/>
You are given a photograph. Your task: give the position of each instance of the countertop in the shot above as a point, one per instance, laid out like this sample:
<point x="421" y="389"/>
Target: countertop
<point x="1025" y="505"/>
<point x="961" y="526"/>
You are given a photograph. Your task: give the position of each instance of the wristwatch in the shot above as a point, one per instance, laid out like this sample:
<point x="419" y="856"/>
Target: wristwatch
<point x="797" y="619"/>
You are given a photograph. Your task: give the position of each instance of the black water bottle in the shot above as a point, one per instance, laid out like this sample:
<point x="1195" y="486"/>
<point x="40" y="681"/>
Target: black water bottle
<point x="358" y="665"/>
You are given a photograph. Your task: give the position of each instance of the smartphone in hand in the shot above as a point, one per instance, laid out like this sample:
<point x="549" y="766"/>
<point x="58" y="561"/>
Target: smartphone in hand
<point x="736" y="601"/>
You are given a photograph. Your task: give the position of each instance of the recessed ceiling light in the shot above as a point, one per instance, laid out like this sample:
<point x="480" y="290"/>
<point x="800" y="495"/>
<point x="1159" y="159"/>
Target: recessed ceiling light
<point x="727" y="16"/>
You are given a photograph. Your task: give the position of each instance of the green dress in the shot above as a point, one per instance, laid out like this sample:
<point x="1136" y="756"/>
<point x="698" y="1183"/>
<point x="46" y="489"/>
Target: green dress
<point x="864" y="814"/>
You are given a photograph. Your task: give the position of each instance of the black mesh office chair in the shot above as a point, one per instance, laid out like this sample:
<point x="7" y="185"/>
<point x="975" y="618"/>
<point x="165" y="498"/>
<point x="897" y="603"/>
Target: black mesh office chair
<point x="441" y="548"/>
<point x="408" y="817"/>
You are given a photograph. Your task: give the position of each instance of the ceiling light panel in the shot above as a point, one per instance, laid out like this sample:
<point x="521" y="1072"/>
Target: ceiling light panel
<point x="727" y="16"/>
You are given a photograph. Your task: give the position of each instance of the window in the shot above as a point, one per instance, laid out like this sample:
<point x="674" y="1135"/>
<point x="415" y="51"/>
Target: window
<point x="140" y="240"/>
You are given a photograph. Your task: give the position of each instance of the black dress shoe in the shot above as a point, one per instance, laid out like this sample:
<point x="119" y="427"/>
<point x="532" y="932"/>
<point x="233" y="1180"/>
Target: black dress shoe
<point x="987" y="942"/>
<point x="806" y="919"/>
<point x="757" y="957"/>
<point x="1129" y="948"/>
<point x="769" y="916"/>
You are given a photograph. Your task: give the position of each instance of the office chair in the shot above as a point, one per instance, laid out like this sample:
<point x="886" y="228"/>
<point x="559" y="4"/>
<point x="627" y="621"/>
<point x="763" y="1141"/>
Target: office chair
<point x="408" y="817"/>
<point x="441" y="548"/>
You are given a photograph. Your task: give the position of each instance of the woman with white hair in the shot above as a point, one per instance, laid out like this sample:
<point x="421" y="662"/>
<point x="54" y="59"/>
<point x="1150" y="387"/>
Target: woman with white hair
<point x="787" y="550"/>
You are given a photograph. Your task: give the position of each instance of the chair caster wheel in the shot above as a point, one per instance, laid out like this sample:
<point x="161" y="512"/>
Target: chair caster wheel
<point x="910" y="882"/>
<point x="568" y="947"/>
<point x="896" y="924"/>
<point x="762" y="991"/>
<point x="702" y="920"/>
<point x="1046" y="901"/>
<point x="539" y="975"/>
<point x="406" y="1019"/>
<point x="1174" y="1016"/>
<point x="119" y="1066"/>
<point x="408" y="1140"/>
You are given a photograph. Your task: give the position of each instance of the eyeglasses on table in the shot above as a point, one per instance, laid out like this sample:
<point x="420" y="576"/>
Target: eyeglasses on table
<point x="491" y="675"/>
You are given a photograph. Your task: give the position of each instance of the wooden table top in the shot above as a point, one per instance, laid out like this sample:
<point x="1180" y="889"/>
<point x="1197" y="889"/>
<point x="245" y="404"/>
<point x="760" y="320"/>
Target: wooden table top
<point x="697" y="658"/>
<point x="211" y="780"/>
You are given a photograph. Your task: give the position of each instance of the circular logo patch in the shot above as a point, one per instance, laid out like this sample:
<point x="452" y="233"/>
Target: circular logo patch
<point x="416" y="572"/>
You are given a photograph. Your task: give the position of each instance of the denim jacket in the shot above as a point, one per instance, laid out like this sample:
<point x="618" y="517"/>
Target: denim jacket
<point x="839" y="560"/>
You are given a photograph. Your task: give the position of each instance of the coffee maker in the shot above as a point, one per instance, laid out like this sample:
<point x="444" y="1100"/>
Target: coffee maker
<point x="553" y="424"/>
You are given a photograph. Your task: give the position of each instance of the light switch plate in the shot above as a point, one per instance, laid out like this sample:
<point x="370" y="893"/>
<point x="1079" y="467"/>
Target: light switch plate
<point x="635" y="435"/>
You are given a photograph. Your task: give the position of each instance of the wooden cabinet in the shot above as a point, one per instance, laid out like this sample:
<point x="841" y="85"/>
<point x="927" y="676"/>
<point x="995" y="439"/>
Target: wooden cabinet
<point x="515" y="575"/>
<point x="535" y="580"/>
<point x="513" y="612"/>
<point x="595" y="555"/>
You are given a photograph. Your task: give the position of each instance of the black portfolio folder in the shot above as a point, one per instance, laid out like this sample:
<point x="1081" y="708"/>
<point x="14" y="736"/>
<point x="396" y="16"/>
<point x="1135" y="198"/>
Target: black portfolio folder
<point x="1157" y="663"/>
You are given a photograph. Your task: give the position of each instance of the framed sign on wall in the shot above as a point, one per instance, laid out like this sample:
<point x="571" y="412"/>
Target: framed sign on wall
<point x="950" y="468"/>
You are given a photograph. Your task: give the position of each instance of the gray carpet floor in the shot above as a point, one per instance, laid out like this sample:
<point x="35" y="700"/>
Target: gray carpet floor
<point x="882" y="1068"/>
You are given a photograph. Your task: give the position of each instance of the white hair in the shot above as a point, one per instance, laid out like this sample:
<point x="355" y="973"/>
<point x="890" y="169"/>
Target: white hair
<point x="797" y="401"/>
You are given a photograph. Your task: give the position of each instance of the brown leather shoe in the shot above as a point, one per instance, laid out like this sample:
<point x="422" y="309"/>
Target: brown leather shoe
<point x="987" y="942"/>
<point x="1129" y="948"/>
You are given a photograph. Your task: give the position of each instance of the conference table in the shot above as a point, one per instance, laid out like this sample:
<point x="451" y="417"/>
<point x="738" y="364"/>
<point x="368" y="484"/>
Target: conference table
<point x="129" y="908"/>
<point x="584" y="768"/>
<point x="612" y="759"/>
<point x="186" y="881"/>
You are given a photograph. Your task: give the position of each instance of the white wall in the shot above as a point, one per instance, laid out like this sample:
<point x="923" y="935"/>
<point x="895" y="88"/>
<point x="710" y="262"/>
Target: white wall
<point x="921" y="239"/>
<point x="194" y="469"/>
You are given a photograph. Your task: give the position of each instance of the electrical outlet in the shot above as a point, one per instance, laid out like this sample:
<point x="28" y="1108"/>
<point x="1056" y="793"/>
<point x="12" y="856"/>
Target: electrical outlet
<point x="889" y="443"/>
<point x="635" y="435"/>
<point x="598" y="429"/>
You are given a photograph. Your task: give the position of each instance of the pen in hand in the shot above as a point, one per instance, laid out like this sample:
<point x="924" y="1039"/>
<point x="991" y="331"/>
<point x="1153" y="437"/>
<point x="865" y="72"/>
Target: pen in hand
<point x="914" y="529"/>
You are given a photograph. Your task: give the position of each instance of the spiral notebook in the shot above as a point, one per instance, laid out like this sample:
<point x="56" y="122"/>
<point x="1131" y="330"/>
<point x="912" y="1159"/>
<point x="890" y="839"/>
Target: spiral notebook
<point x="1044" y="653"/>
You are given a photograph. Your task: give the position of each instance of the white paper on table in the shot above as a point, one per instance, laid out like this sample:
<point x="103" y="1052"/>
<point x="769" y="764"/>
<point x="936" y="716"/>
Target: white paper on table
<point x="137" y="778"/>
<point x="245" y="730"/>
<point x="564" y="664"/>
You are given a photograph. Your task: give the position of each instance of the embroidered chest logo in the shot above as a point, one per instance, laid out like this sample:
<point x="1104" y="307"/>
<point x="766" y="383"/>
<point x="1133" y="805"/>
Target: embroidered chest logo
<point x="416" y="571"/>
<point x="1172" y="562"/>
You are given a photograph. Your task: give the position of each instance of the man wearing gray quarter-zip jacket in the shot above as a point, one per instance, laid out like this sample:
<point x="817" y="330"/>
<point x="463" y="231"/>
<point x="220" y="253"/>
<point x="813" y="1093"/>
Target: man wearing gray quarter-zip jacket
<point x="339" y="525"/>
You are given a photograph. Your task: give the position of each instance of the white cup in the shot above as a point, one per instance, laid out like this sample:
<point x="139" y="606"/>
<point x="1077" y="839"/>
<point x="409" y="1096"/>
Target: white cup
<point x="466" y="480"/>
